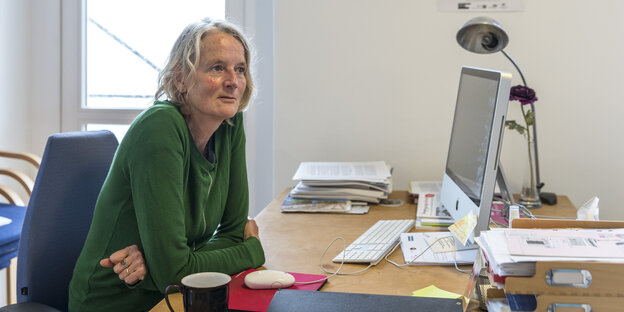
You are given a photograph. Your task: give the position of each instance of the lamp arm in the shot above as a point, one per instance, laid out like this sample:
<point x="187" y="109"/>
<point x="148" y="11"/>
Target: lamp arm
<point x="537" y="175"/>
<point x="515" y="65"/>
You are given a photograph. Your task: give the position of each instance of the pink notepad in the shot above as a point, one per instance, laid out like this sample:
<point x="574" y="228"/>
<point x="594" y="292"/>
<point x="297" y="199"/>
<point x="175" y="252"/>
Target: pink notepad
<point x="244" y="298"/>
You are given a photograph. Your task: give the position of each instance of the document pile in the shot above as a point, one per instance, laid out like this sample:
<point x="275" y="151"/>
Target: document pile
<point x="321" y="205"/>
<point x="339" y="184"/>
<point x="429" y="212"/>
<point x="514" y="252"/>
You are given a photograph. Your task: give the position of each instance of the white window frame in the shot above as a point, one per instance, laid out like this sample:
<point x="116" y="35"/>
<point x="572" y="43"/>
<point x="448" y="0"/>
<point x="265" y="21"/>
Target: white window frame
<point x="75" y="114"/>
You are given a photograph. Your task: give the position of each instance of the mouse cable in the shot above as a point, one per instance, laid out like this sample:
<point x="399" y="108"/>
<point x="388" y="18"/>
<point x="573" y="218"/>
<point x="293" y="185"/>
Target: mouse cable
<point x="344" y="247"/>
<point x="423" y="252"/>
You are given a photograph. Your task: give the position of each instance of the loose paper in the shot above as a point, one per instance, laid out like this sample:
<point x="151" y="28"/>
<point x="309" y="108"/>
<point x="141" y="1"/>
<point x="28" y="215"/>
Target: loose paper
<point x="464" y="227"/>
<point x="4" y="221"/>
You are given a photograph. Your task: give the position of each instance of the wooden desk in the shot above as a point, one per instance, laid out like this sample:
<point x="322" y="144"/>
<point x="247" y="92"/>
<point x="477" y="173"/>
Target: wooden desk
<point x="294" y="242"/>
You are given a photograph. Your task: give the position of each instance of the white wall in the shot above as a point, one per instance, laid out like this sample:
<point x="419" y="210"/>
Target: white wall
<point x="377" y="80"/>
<point x="29" y="75"/>
<point x="14" y="74"/>
<point x="14" y="86"/>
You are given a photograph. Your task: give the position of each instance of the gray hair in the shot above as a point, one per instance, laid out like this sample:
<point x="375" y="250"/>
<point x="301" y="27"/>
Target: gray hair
<point x="184" y="59"/>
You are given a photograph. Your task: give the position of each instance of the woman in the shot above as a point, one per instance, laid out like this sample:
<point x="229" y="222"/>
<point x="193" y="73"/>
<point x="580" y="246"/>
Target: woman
<point x="175" y="201"/>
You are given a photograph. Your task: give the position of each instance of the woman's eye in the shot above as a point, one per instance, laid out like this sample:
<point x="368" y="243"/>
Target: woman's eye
<point x="241" y="70"/>
<point x="217" y="67"/>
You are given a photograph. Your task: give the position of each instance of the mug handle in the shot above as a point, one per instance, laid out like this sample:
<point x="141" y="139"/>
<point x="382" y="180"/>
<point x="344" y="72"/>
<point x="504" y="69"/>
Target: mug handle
<point x="167" y="295"/>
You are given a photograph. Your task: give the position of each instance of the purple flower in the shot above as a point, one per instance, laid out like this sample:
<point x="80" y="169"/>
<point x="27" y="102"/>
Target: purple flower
<point x="523" y="94"/>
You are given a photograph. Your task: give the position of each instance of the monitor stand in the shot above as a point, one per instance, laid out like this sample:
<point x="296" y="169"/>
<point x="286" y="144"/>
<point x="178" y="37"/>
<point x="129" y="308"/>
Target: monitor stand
<point x="501" y="180"/>
<point x="502" y="185"/>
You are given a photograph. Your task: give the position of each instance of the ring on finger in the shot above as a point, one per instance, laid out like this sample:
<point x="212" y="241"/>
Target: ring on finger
<point x="124" y="264"/>
<point x="128" y="271"/>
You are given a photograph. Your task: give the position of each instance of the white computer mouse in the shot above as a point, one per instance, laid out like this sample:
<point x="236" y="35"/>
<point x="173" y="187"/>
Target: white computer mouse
<point x="266" y="279"/>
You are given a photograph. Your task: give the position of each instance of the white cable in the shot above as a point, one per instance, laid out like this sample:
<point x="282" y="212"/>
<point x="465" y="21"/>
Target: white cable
<point x="423" y="252"/>
<point x="457" y="268"/>
<point x="527" y="212"/>
<point x="417" y="256"/>
<point x="203" y="210"/>
<point x="344" y="247"/>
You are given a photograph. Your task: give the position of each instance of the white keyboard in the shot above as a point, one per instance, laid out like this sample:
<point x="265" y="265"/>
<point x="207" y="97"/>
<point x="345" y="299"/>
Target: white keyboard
<point x="376" y="242"/>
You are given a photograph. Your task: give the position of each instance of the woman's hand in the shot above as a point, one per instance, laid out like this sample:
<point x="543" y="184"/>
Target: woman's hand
<point x="128" y="263"/>
<point x="251" y="229"/>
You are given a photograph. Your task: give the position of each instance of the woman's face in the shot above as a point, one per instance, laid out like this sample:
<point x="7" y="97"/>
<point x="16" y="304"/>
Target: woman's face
<point x="220" y="80"/>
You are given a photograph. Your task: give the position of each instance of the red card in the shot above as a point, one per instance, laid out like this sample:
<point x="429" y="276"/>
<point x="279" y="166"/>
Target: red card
<point x="247" y="299"/>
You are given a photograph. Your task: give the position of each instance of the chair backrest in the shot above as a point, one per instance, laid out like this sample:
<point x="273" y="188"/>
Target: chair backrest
<point x="17" y="176"/>
<point x="73" y="168"/>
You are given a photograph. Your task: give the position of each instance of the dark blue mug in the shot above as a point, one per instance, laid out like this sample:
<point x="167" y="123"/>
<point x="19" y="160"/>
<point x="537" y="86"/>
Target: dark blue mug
<point x="205" y="291"/>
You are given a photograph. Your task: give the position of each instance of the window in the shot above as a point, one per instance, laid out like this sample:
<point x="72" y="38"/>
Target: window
<point x="123" y="48"/>
<point x="126" y="48"/>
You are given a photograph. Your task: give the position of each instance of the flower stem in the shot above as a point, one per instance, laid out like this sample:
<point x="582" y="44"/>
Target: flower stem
<point x="528" y="133"/>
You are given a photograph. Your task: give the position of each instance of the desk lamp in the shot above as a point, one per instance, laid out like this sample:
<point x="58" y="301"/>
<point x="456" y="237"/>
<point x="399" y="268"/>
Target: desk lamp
<point x="484" y="35"/>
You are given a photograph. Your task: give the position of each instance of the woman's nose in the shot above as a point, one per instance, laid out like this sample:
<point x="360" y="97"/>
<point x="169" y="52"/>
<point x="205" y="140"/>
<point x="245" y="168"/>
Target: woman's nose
<point x="231" y="79"/>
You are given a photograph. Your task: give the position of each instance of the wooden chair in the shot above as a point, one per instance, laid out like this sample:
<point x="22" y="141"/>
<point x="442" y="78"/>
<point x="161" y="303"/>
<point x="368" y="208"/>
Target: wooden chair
<point x="13" y="207"/>
<point x="22" y="178"/>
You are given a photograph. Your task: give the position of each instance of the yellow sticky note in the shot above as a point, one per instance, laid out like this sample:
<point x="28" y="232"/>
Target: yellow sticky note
<point x="464" y="227"/>
<point x="435" y="292"/>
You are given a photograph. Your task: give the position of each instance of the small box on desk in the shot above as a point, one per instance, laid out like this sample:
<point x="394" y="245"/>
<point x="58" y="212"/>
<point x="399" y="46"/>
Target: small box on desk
<point x="568" y="285"/>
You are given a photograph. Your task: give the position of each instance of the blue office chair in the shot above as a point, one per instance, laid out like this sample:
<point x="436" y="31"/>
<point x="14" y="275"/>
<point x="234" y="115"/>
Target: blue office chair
<point x="73" y="168"/>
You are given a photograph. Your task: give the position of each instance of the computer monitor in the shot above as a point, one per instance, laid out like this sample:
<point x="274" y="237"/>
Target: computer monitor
<point x="476" y="138"/>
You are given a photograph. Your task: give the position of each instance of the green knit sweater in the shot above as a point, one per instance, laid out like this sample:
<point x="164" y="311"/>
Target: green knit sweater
<point x="185" y="213"/>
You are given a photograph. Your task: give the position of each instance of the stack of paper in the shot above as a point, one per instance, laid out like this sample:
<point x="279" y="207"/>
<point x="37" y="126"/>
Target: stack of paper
<point x="514" y="252"/>
<point x="429" y="212"/>
<point x="322" y="205"/>
<point x="366" y="182"/>
<point x="416" y="188"/>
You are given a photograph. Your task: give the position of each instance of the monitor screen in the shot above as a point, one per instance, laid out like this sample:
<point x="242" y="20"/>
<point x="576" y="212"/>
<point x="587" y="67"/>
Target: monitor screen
<point x="472" y="127"/>
<point x="474" y="148"/>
